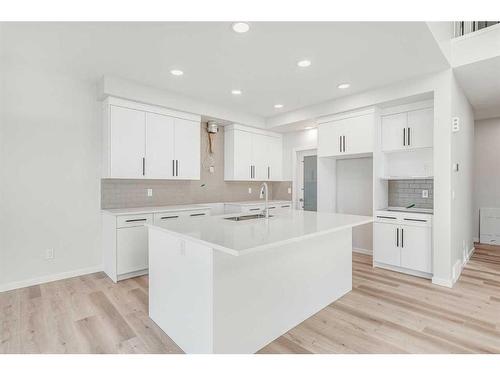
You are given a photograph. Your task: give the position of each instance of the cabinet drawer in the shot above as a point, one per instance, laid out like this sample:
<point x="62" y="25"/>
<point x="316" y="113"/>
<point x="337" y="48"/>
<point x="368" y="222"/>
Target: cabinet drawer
<point x="161" y="217"/>
<point x="196" y="213"/>
<point x="133" y="220"/>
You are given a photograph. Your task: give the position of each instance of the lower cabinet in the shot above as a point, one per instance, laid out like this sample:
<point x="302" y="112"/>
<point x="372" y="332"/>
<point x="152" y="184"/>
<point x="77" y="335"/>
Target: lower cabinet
<point x="125" y="240"/>
<point x="404" y="243"/>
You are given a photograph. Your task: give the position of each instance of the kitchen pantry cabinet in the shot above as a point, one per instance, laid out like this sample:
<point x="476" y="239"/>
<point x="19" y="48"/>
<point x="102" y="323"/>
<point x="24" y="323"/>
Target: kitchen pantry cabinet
<point x="408" y="130"/>
<point x="125" y="240"/>
<point x="403" y="241"/>
<point x="142" y="141"/>
<point x="346" y="135"/>
<point x="252" y="154"/>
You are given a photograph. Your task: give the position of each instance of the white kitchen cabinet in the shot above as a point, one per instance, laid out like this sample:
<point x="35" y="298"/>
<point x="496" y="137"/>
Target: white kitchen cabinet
<point x="160" y="146"/>
<point x="403" y="242"/>
<point x="187" y="149"/>
<point x="125" y="239"/>
<point x="127" y="142"/>
<point x="142" y="141"/>
<point x="252" y="154"/>
<point x="385" y="238"/>
<point x="346" y="135"/>
<point x="408" y="130"/>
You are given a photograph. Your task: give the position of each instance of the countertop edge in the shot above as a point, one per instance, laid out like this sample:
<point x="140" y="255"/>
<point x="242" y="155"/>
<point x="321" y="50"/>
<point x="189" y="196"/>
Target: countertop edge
<point x="260" y="247"/>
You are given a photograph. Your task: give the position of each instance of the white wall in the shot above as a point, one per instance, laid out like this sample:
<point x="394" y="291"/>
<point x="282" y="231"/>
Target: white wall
<point x="50" y="173"/>
<point x="462" y="152"/>
<point x="354" y="188"/>
<point x="486" y="168"/>
<point x="296" y="140"/>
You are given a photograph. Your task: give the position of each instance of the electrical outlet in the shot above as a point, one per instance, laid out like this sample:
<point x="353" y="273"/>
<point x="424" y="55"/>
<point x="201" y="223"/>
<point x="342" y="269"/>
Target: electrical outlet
<point x="455" y="124"/>
<point x="49" y="254"/>
<point x="150" y="192"/>
<point x="249" y="190"/>
<point x="425" y="193"/>
<point x="212" y="169"/>
<point x="289" y="190"/>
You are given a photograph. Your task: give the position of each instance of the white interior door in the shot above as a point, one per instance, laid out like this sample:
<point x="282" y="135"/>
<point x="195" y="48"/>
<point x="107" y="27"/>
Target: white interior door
<point x="187" y="149"/>
<point x="159" y="146"/>
<point x="127" y="142"/>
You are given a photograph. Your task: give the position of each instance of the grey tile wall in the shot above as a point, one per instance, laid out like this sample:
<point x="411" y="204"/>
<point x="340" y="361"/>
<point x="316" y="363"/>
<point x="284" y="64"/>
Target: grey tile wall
<point x="403" y="193"/>
<point x="122" y="193"/>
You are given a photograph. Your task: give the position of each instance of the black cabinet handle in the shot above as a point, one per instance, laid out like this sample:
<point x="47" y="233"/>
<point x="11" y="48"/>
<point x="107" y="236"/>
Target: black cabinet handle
<point x="409" y="136"/>
<point x="200" y="214"/>
<point x="285" y="206"/>
<point x="420" y="220"/>
<point x="402" y="237"/>
<point x="268" y="173"/>
<point x="397" y="237"/>
<point x="169" y="217"/>
<point x="254" y="209"/>
<point x="143" y="166"/>
<point x="340" y="143"/>
<point x="173" y="167"/>
<point x="177" y="168"/>
<point x="386" y="217"/>
<point x="344" y="141"/>
<point x="404" y="136"/>
<point x="134" y="220"/>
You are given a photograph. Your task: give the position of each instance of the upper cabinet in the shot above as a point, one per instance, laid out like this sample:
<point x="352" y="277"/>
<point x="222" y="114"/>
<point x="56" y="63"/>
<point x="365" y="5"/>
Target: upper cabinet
<point x="407" y="130"/>
<point x="252" y="154"/>
<point x="346" y="135"/>
<point x="141" y="141"/>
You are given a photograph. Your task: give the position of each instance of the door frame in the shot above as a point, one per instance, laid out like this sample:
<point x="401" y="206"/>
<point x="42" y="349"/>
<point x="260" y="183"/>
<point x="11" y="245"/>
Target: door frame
<point x="295" y="155"/>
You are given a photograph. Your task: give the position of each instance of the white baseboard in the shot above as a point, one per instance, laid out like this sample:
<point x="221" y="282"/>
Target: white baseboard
<point x="442" y="282"/>
<point x="475" y="239"/>
<point x="49" y="278"/>
<point x="458" y="268"/>
<point x="362" y="251"/>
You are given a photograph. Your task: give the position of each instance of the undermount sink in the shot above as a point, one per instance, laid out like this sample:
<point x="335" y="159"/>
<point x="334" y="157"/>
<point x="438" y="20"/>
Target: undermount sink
<point x="246" y="217"/>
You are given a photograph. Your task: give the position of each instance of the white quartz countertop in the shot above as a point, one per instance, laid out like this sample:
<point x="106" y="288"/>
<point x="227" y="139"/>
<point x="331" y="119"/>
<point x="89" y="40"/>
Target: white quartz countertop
<point x="241" y="237"/>
<point x="149" y="210"/>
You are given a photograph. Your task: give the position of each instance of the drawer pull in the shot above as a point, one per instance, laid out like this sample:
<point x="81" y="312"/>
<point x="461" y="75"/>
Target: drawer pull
<point x="201" y="214"/>
<point x="420" y="220"/>
<point x="386" y="217"/>
<point x="255" y="209"/>
<point x="170" y="217"/>
<point x="134" y="220"/>
<point x="272" y="207"/>
<point x="287" y="205"/>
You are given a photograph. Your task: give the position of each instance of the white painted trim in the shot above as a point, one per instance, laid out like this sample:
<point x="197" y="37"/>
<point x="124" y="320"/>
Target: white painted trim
<point x="442" y="282"/>
<point x="407" y="107"/>
<point x="344" y="115"/>
<point x="403" y="270"/>
<point x="50" y="278"/>
<point x="295" y="150"/>
<point x="251" y="129"/>
<point x="362" y="251"/>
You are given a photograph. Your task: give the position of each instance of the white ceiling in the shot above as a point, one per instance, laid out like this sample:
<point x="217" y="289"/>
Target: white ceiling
<point x="481" y="83"/>
<point x="262" y="62"/>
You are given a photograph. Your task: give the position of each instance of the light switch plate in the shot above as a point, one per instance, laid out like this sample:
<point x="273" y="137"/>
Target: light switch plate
<point x="150" y="192"/>
<point x="249" y="190"/>
<point x="289" y="190"/>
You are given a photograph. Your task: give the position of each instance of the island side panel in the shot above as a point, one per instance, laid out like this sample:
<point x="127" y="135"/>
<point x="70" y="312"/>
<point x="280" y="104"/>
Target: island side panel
<point x="260" y="296"/>
<point x="181" y="290"/>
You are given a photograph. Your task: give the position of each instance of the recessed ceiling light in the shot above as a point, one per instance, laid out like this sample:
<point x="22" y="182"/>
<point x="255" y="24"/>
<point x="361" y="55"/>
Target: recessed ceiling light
<point x="176" y="72"/>
<point x="236" y="92"/>
<point x="344" y="86"/>
<point x="241" y="27"/>
<point x="308" y="127"/>
<point x="304" y="63"/>
<point x="278" y="106"/>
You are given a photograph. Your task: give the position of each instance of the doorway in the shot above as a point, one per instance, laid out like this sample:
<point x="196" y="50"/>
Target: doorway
<point x="305" y="180"/>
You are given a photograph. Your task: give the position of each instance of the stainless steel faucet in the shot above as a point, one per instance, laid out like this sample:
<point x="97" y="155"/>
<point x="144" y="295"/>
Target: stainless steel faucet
<point x="264" y="192"/>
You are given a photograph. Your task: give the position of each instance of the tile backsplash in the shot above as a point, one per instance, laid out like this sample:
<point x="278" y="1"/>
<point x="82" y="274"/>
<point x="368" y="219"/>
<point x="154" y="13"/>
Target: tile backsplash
<point x="124" y="193"/>
<point x="403" y="193"/>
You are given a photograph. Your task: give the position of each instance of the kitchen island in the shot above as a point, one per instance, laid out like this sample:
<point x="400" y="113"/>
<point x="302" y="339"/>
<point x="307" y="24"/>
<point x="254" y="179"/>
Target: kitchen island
<point x="220" y="285"/>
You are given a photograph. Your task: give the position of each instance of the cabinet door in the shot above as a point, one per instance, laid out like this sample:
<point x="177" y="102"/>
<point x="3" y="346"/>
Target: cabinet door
<point x="358" y="134"/>
<point x="385" y="244"/>
<point x="416" y="248"/>
<point x="260" y="158"/>
<point x="242" y="155"/>
<point x="394" y="132"/>
<point x="159" y="146"/>
<point x="131" y="249"/>
<point x="187" y="149"/>
<point x="275" y="161"/>
<point x="420" y="124"/>
<point x="330" y="139"/>
<point x="127" y="142"/>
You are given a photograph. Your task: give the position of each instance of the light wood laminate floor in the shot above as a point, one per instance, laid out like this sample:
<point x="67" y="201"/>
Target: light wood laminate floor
<point x="386" y="312"/>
